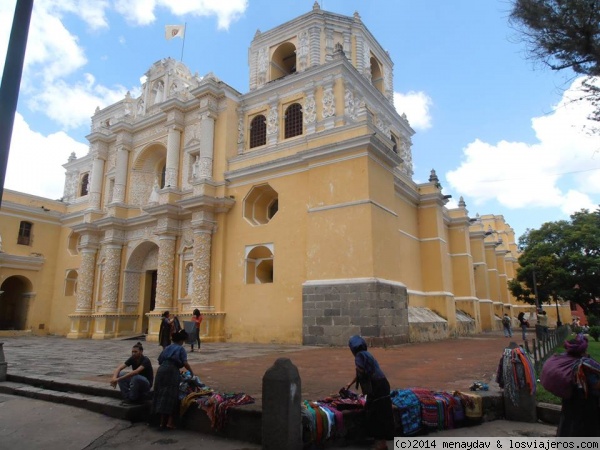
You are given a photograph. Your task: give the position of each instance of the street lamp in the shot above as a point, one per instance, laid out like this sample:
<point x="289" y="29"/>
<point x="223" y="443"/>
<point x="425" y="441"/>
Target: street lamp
<point x="558" y="322"/>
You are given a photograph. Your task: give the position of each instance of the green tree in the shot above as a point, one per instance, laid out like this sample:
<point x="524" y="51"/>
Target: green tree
<point x="565" y="256"/>
<point x="563" y="34"/>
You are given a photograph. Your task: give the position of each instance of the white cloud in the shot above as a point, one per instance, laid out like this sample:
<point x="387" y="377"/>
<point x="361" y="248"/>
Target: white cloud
<point x="560" y="170"/>
<point x="34" y="161"/>
<point x="416" y="106"/>
<point x="141" y="12"/>
<point x="72" y="105"/>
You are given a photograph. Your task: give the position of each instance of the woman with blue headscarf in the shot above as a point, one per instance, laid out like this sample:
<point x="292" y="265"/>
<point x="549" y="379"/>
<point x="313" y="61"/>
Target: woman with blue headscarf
<point x="374" y="384"/>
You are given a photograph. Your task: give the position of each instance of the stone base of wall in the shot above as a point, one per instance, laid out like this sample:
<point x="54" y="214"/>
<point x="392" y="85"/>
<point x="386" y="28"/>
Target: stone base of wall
<point x="425" y="325"/>
<point x="465" y="324"/>
<point x="335" y="310"/>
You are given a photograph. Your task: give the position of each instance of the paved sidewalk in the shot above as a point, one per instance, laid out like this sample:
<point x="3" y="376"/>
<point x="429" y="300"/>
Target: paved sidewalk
<point x="228" y="367"/>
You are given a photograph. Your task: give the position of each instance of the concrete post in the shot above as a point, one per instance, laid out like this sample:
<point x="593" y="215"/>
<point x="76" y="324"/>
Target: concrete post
<point x="3" y="363"/>
<point x="525" y="409"/>
<point x="281" y="418"/>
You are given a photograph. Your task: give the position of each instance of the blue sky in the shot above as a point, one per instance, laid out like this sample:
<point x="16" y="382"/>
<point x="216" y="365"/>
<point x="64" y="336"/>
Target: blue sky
<point x="499" y="129"/>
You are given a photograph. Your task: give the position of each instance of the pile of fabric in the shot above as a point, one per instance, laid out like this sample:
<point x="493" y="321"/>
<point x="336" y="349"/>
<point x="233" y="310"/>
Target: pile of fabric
<point x="323" y="419"/>
<point x="423" y="409"/>
<point x="516" y="371"/>
<point x="215" y="404"/>
<point x="417" y="411"/>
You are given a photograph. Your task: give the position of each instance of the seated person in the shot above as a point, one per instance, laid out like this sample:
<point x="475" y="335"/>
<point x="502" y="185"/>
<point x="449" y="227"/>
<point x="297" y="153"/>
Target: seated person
<point x="134" y="385"/>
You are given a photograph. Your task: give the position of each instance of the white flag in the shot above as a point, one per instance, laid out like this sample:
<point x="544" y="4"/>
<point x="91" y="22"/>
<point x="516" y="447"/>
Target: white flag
<point x="172" y="31"/>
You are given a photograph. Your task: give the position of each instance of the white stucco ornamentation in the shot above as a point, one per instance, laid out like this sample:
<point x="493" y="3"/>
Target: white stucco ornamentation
<point x="166" y="262"/>
<point x="85" y="281"/>
<point x="70" y="192"/>
<point x="272" y="118"/>
<point x="349" y="104"/>
<point x="110" y="277"/>
<point x="261" y="77"/>
<point x="205" y="168"/>
<point x="328" y="103"/>
<point x="388" y="81"/>
<point x="202" y="244"/>
<point x="310" y="110"/>
<point x="302" y="52"/>
<point x="367" y="61"/>
<point x="406" y="155"/>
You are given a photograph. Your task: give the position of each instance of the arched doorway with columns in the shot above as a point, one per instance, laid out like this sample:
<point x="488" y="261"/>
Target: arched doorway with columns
<point x="140" y="282"/>
<point x="15" y="295"/>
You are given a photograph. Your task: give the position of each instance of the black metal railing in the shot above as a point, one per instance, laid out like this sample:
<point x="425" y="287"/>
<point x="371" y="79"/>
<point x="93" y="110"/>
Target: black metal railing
<point x="545" y="345"/>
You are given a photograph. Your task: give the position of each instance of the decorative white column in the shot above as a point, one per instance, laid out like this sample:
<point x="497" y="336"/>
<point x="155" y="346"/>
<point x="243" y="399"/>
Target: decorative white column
<point x="166" y="264"/>
<point x="172" y="169"/>
<point x="207" y="131"/>
<point x="202" y="245"/>
<point x="121" y="175"/>
<point x="315" y="45"/>
<point x="111" y="277"/>
<point x="85" y="280"/>
<point x="96" y="183"/>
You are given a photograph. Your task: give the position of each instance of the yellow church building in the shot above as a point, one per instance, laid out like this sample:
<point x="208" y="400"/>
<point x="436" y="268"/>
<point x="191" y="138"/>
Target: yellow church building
<point x="285" y="214"/>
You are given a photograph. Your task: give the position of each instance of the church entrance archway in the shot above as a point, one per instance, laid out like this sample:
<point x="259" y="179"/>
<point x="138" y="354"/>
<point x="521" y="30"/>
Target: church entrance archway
<point x="15" y="294"/>
<point x="140" y="280"/>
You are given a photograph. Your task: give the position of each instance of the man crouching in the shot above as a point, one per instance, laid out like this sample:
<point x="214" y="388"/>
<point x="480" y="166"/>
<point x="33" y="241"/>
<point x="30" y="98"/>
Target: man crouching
<point x="134" y="385"/>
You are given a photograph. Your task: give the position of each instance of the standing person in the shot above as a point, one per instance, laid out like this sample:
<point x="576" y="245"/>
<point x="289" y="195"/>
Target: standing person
<point x="374" y="384"/>
<point x="136" y="384"/>
<point x="523" y="324"/>
<point x="197" y="319"/>
<point x="506" y="325"/>
<point x="580" y="414"/>
<point x="164" y="332"/>
<point x="166" y="386"/>
<point x="543" y="323"/>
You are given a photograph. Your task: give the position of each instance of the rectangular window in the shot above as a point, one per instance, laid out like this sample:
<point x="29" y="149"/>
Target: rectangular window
<point x="25" y="233"/>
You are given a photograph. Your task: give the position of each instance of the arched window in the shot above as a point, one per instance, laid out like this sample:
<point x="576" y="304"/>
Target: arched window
<point x="293" y="120"/>
<point x="84" y="184"/>
<point x="24" y="237"/>
<point x="259" y="264"/>
<point x="258" y="131"/>
<point x="376" y="74"/>
<point x="394" y="143"/>
<point x="71" y="283"/>
<point x="163" y="176"/>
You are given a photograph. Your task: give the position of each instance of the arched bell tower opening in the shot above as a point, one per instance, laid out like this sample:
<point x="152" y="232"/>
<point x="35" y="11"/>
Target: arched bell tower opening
<point x="14" y="302"/>
<point x="283" y="61"/>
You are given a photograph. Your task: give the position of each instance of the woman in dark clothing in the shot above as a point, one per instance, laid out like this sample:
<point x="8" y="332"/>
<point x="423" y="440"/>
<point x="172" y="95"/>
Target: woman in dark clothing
<point x="166" y="383"/>
<point x="197" y="319"/>
<point x="164" y="332"/>
<point x="523" y="324"/>
<point x="374" y="384"/>
<point x="580" y="414"/>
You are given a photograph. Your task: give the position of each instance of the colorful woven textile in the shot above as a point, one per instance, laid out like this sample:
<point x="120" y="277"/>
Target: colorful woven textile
<point x="429" y="407"/>
<point x="409" y="408"/>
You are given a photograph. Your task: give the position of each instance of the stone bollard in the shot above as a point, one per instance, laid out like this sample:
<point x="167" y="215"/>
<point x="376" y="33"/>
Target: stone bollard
<point x="281" y="418"/>
<point x="525" y="410"/>
<point x="3" y="363"/>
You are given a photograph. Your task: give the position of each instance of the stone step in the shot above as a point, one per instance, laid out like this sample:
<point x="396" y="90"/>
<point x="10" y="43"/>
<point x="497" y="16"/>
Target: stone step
<point x="63" y="385"/>
<point x="111" y="407"/>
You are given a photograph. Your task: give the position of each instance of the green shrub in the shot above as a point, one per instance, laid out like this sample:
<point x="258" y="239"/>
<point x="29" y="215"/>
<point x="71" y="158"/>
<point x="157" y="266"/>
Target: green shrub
<point x="595" y="332"/>
<point x="593" y="320"/>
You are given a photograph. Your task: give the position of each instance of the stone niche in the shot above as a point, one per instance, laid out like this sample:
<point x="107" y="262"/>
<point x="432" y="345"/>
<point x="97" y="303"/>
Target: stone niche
<point x="335" y="310"/>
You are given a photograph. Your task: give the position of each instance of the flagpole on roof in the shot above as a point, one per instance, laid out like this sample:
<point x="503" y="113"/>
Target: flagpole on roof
<point x="183" y="44"/>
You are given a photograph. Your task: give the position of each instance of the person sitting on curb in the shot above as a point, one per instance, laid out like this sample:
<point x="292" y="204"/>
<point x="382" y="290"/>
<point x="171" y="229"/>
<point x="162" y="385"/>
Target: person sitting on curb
<point x="136" y="384"/>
